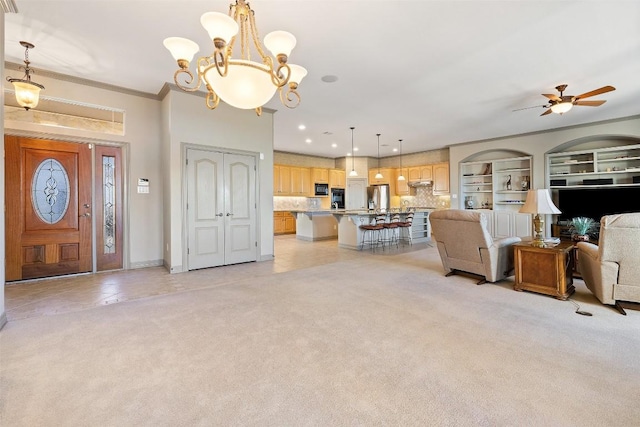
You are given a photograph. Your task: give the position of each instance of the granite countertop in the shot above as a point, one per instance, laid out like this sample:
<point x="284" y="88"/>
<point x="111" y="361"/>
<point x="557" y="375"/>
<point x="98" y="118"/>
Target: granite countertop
<point x="355" y="211"/>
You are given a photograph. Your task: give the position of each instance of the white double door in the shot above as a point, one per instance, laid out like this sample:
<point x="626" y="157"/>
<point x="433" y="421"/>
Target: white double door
<point x="221" y="209"/>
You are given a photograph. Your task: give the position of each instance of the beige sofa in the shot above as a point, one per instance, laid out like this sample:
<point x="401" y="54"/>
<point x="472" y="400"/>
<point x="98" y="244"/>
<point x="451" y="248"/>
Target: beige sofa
<point x="465" y="245"/>
<point x="611" y="270"/>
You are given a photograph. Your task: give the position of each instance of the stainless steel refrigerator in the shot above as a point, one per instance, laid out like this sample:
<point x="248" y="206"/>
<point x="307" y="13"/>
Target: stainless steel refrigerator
<point x="378" y="197"/>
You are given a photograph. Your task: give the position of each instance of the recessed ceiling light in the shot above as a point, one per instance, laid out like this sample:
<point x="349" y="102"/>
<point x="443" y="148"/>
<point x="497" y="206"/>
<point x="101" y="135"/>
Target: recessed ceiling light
<point x="395" y="150"/>
<point x="302" y="127"/>
<point x="348" y="154"/>
<point x="329" y="78"/>
<point x="308" y="140"/>
<point x="334" y="145"/>
<point x="356" y="149"/>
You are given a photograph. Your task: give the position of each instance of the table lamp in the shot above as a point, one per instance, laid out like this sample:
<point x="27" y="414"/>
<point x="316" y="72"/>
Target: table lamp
<point x="539" y="202"/>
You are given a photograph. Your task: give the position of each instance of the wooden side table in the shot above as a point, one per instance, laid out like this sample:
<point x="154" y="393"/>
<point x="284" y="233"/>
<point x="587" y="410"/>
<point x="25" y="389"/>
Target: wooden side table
<point x="544" y="270"/>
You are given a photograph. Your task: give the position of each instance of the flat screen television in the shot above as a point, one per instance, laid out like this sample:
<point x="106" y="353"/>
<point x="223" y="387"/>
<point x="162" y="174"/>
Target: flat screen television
<point x="596" y="202"/>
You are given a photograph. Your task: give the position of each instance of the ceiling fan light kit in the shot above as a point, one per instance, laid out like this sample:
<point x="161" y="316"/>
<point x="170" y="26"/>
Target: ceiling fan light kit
<point x="563" y="103"/>
<point x="241" y="82"/>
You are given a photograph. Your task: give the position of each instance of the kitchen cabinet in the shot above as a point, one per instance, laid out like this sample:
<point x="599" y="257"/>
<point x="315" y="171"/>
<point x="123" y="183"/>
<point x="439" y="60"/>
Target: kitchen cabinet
<point x="387" y="173"/>
<point x="284" y="223"/>
<point x="300" y="181"/>
<point x="441" y="178"/>
<point x="320" y="175"/>
<point x="281" y="180"/>
<point x="337" y="178"/>
<point x="402" y="187"/>
<point x="420" y="173"/>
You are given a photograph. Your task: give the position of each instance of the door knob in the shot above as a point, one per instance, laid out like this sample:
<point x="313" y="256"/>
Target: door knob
<point x="87" y="205"/>
<point x="229" y="214"/>
<point x="86" y="214"/>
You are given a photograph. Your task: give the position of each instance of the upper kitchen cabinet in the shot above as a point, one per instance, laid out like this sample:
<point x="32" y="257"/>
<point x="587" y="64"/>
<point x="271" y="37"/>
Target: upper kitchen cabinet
<point x="281" y="180"/>
<point x="337" y="178"/>
<point x="387" y="174"/>
<point x="420" y="173"/>
<point x="440" y="178"/>
<point x="402" y="187"/>
<point x="300" y="181"/>
<point x="320" y="175"/>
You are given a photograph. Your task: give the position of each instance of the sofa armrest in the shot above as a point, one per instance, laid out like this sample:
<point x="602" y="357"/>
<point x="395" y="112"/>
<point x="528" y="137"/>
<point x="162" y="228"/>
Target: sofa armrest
<point x="588" y="249"/>
<point x="506" y="241"/>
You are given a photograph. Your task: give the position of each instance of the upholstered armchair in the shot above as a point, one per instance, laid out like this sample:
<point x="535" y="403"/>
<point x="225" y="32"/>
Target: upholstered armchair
<point x="465" y="245"/>
<point x="611" y="270"/>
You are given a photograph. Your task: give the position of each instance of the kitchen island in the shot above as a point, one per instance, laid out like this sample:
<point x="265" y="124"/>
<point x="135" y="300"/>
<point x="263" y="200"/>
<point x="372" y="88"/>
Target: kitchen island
<point x="345" y="225"/>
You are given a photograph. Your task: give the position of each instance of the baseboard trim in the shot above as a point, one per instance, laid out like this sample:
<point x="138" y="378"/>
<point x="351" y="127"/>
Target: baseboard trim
<point x="145" y="264"/>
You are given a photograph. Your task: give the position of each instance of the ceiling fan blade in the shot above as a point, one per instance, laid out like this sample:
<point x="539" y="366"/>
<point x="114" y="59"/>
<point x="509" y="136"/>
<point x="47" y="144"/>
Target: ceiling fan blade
<point x="552" y="97"/>
<point x="546" y="112"/>
<point x="604" y="89"/>
<point x="589" y="103"/>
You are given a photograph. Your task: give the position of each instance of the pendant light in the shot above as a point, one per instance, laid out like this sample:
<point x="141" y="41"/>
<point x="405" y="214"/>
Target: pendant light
<point x="378" y="175"/>
<point x="27" y="91"/>
<point x="400" y="177"/>
<point x="353" y="168"/>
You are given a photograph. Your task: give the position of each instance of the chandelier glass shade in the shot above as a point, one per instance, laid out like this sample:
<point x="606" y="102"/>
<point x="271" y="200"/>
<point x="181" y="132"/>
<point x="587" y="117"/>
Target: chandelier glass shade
<point x="27" y="91"/>
<point x="562" y="107"/>
<point x="240" y="82"/>
<point x="353" y="168"/>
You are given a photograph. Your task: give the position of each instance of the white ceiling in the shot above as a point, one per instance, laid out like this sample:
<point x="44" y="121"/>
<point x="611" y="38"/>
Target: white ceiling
<point x="433" y="73"/>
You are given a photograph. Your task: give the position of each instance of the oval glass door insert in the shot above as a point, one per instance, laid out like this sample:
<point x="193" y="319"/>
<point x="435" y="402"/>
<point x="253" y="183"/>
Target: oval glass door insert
<point x="50" y="191"/>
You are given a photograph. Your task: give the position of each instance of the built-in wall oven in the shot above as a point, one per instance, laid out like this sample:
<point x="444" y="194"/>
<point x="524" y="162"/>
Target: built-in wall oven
<point x="337" y="198"/>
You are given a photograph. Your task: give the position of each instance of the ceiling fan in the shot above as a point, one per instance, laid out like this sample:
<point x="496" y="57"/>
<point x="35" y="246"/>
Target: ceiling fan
<point x="563" y="103"/>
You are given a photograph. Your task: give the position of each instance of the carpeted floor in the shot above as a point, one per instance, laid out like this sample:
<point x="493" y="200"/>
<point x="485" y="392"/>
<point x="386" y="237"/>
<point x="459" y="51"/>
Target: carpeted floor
<point x="373" y="340"/>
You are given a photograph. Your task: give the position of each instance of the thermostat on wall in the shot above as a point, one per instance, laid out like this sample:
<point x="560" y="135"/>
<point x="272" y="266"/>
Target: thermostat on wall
<point x="143" y="185"/>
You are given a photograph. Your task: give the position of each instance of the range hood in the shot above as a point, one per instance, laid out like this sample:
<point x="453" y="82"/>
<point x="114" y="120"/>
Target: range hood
<point x="421" y="183"/>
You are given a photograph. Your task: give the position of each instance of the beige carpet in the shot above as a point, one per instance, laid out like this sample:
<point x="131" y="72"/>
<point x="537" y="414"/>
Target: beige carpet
<point x="378" y="340"/>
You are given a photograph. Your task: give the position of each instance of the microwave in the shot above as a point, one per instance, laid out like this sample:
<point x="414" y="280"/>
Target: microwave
<point x="321" y="189"/>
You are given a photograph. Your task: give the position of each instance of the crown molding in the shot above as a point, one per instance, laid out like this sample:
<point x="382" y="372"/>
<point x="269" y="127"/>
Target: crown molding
<point x="85" y="82"/>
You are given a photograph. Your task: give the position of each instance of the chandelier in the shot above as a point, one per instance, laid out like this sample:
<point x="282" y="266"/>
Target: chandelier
<point x="240" y="82"/>
<point x="27" y="92"/>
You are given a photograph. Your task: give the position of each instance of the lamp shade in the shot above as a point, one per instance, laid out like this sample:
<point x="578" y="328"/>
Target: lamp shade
<point x="280" y="42"/>
<point x="219" y="26"/>
<point x="181" y="48"/>
<point x="539" y="202"/>
<point x="27" y="94"/>
<point x="297" y="73"/>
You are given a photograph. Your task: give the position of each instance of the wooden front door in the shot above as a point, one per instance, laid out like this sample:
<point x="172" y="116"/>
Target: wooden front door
<point x="48" y="208"/>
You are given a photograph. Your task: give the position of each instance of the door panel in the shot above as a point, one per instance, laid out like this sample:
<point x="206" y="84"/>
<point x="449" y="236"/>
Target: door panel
<point x="240" y="230"/>
<point x="48" y="227"/>
<point x="108" y="211"/>
<point x="205" y="209"/>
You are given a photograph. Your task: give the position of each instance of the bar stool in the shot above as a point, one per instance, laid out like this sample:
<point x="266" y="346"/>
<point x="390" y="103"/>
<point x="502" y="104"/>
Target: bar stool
<point x="405" y="228"/>
<point x="392" y="230"/>
<point x="373" y="231"/>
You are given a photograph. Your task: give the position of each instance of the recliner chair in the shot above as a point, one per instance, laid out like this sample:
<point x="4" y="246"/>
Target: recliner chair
<point x="464" y="244"/>
<point x="611" y="270"/>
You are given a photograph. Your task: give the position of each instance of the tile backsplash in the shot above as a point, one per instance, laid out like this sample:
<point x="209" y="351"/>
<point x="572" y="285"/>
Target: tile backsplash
<point x="281" y="203"/>
<point x="424" y="197"/>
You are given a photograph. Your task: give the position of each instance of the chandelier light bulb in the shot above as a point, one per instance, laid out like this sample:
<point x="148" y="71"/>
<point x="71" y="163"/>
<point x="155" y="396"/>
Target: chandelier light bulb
<point x="219" y="26"/>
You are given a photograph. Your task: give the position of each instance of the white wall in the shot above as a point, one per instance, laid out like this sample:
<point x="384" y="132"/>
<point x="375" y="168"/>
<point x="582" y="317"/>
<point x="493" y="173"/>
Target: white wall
<point x="537" y="145"/>
<point x="191" y="122"/>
